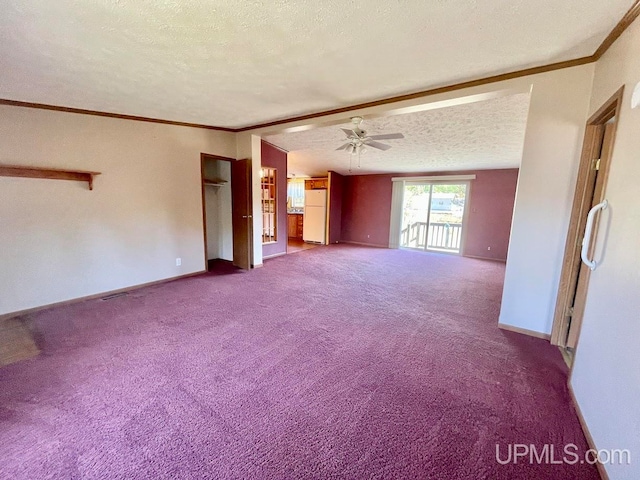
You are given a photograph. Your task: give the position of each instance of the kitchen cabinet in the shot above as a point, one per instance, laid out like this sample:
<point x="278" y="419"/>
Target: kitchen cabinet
<point x="294" y="225"/>
<point x="316" y="184"/>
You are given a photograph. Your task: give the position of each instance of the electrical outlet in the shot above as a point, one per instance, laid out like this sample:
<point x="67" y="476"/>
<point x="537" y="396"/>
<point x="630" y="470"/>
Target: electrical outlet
<point x="368" y="236"/>
<point x="178" y="262"/>
<point x="488" y="248"/>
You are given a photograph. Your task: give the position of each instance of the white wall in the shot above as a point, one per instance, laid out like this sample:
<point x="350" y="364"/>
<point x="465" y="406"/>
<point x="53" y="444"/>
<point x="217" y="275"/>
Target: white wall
<point x="553" y="142"/>
<point x="606" y="373"/>
<point x="211" y="216"/>
<point x="225" y="230"/>
<point x="60" y="241"/>
<point x="218" y="211"/>
<point x="124" y="149"/>
<point x="551" y="154"/>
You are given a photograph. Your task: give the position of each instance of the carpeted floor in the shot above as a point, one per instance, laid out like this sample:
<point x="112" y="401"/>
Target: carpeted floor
<point x="338" y="362"/>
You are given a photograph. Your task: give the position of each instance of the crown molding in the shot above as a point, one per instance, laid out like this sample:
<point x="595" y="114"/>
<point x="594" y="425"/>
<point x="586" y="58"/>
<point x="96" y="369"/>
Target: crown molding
<point x="425" y="93"/>
<point x="620" y="27"/>
<point x="631" y="15"/>
<point x="618" y="30"/>
<point x="97" y="113"/>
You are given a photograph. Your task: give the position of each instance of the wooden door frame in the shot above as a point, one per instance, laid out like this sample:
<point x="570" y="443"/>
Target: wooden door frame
<point x="203" y="158"/>
<point x="242" y="212"/>
<point x="610" y="109"/>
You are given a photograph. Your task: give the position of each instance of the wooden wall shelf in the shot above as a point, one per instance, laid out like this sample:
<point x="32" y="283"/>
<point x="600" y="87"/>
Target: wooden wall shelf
<point x="214" y="182"/>
<point x="51" y="173"/>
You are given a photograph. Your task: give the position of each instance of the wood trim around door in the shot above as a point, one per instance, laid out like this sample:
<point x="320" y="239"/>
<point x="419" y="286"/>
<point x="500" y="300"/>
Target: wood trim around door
<point x="571" y="260"/>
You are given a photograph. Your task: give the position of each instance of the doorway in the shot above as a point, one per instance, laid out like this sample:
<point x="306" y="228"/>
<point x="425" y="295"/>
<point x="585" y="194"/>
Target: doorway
<point x="226" y="212"/>
<point x="433" y="216"/>
<point x="589" y="195"/>
<point x="216" y="202"/>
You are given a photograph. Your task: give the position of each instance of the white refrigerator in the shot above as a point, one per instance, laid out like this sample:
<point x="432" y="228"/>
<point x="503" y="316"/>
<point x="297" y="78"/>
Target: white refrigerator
<point x="314" y="221"/>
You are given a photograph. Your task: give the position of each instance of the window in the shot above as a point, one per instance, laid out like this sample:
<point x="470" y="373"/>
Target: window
<point x="295" y="193"/>
<point x="433" y="216"/>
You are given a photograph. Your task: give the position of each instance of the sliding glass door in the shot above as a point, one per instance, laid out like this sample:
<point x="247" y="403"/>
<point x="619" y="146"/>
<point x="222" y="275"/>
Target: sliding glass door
<point x="433" y="216"/>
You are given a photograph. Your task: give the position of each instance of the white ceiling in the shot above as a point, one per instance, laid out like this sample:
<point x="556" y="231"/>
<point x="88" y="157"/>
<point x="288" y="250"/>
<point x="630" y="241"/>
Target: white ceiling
<point x="235" y="63"/>
<point x="481" y="135"/>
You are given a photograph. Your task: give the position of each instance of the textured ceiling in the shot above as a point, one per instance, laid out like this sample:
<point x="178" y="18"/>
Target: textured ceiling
<point x="234" y="63"/>
<point x="481" y="135"/>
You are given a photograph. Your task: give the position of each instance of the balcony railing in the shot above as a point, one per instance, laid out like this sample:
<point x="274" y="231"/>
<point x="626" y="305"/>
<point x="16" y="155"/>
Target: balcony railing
<point x="436" y="236"/>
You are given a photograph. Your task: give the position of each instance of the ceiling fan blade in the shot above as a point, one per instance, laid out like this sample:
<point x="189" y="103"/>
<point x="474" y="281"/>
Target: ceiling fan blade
<point x="378" y="145"/>
<point x="344" y="147"/>
<point x="387" y="136"/>
<point x="349" y="133"/>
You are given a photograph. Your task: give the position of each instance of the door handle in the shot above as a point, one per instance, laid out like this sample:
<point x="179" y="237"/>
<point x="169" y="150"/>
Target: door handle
<point x="588" y="231"/>
<point x="247" y="216"/>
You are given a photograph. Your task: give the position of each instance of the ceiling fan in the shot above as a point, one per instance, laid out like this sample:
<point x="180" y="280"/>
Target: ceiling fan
<point x="358" y="138"/>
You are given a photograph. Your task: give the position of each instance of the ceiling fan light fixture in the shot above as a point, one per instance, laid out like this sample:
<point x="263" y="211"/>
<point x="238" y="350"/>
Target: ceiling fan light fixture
<point x="358" y="141"/>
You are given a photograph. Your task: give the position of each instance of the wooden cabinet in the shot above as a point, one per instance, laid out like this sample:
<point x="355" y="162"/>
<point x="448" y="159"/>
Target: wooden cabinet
<point x="299" y="223"/>
<point x="316" y="184"/>
<point x="294" y="225"/>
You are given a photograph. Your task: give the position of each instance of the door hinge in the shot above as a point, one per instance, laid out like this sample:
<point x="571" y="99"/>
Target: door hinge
<point x="570" y="311"/>
<point x="596" y="164"/>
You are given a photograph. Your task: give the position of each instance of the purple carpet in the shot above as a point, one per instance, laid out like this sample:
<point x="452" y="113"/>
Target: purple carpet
<point x="337" y="362"/>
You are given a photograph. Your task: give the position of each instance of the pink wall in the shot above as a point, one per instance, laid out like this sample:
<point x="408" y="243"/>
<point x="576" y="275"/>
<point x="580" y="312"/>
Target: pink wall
<point x="493" y="194"/>
<point x="275" y="158"/>
<point x="366" y="210"/>
<point x="336" y="184"/>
